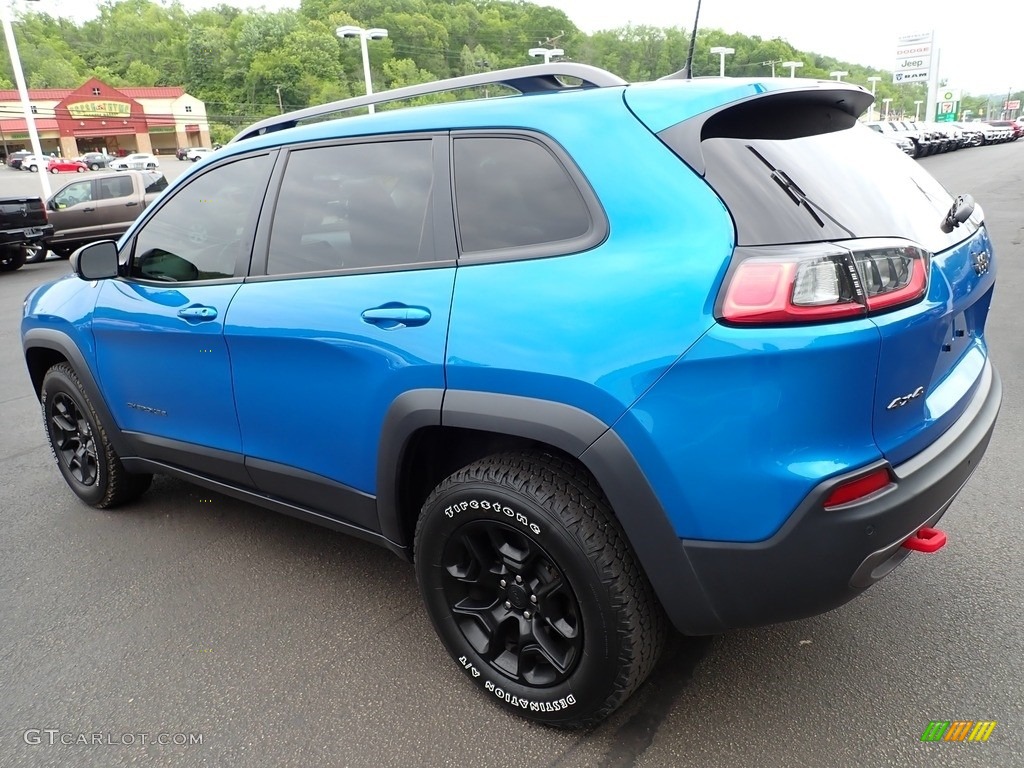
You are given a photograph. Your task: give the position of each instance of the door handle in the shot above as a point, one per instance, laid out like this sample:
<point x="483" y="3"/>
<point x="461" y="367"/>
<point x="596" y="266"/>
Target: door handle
<point x="129" y="205"/>
<point x="394" y="315"/>
<point x="88" y="210"/>
<point x="197" y="313"/>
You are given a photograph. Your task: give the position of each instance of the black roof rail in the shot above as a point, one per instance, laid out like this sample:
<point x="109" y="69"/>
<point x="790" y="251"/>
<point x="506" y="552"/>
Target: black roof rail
<point x="535" y="78"/>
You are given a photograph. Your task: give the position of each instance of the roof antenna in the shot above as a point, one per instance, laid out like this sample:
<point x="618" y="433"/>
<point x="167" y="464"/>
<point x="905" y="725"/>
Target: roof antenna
<point x="687" y="73"/>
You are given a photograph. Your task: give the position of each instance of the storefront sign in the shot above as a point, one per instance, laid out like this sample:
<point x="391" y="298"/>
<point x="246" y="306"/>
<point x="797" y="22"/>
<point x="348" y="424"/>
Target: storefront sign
<point x="100" y="109"/>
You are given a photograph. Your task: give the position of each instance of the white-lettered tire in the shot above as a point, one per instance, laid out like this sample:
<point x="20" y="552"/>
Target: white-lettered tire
<point x="534" y="590"/>
<point x="80" y="446"/>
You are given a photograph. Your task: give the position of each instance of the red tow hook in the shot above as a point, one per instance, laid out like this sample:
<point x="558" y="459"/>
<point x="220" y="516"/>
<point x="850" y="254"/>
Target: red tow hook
<point x="926" y="540"/>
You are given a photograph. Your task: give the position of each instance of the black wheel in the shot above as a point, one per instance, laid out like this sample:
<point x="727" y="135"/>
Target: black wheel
<point x="34" y="252"/>
<point x="94" y="167"/>
<point x="534" y="590"/>
<point x="12" y="257"/>
<point x="80" y="169"/>
<point x="54" y="171"/>
<point x="33" y="168"/>
<point x="64" y="253"/>
<point x="80" y="446"/>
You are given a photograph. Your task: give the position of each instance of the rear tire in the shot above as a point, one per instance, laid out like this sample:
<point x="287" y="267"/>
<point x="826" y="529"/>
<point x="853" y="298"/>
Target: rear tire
<point x="80" y="446"/>
<point x="12" y="257"/>
<point x="34" y="252"/>
<point x="534" y="590"/>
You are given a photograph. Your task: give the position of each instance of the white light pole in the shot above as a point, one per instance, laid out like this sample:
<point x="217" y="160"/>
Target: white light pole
<point x="886" y="103"/>
<point x="793" y="65"/>
<point x="722" y="53"/>
<point x="917" y="110"/>
<point x="363" y="34"/>
<point x="547" y="53"/>
<point x="839" y="74"/>
<point x="874" y="79"/>
<point x="26" y="105"/>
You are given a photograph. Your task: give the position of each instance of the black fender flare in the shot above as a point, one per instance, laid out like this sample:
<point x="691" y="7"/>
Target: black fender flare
<point x="60" y="342"/>
<point x="579" y="434"/>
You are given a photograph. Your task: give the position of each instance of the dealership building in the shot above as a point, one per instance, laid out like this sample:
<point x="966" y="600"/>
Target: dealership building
<point x="97" y="117"/>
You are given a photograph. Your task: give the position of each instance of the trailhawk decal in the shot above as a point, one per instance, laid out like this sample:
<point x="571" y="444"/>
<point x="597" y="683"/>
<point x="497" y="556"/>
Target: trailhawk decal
<point x="519" y="701"/>
<point x="495" y="506"/>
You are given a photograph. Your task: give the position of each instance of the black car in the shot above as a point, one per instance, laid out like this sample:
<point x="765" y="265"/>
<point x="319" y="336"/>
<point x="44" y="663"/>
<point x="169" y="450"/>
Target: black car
<point x="15" y="158"/>
<point x="96" y="160"/>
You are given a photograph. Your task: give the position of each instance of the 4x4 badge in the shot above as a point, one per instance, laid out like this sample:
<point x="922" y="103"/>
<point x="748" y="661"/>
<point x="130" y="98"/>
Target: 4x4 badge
<point x="899" y="402"/>
<point x="981" y="262"/>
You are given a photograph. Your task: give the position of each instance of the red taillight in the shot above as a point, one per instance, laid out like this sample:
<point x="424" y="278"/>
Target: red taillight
<point x="800" y="284"/>
<point x="853" y="490"/>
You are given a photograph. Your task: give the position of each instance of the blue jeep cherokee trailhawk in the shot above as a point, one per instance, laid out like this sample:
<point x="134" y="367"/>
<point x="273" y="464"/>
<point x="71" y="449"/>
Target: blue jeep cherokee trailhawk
<point x="593" y="356"/>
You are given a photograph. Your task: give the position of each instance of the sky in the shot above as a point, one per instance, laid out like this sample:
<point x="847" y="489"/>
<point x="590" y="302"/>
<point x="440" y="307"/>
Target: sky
<point x="980" y="43"/>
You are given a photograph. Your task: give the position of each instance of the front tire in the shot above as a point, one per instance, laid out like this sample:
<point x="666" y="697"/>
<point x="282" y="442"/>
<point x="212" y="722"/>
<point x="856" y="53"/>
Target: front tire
<point x="534" y="590"/>
<point x="80" y="446"/>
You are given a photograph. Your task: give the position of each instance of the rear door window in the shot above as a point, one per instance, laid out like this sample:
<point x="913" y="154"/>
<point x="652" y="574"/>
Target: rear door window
<point x="364" y="206"/>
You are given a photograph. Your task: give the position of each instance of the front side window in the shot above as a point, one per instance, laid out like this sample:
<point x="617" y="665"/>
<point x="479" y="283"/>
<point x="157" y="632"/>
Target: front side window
<point x="513" y="192"/>
<point x="354" y="206"/>
<point x="73" y="194"/>
<point x="206" y="227"/>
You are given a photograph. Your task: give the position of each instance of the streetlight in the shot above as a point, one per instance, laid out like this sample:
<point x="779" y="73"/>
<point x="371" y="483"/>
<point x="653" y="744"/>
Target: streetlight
<point x="839" y="74"/>
<point x="917" y="109"/>
<point x="874" y="79"/>
<point x="793" y="65"/>
<point x="886" y="103"/>
<point x="26" y="105"/>
<point x="722" y="53"/>
<point x="363" y="34"/>
<point x="547" y="53"/>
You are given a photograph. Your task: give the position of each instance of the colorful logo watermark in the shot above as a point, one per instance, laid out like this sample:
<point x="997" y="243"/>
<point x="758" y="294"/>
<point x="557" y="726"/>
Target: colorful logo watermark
<point x="958" y="730"/>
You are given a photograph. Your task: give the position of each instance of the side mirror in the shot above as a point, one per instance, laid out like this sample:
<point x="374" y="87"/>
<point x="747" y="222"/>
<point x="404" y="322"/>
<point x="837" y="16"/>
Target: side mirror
<point x="95" y="261"/>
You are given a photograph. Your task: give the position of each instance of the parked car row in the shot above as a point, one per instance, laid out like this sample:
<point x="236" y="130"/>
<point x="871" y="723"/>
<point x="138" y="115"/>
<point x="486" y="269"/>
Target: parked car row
<point x="919" y="139"/>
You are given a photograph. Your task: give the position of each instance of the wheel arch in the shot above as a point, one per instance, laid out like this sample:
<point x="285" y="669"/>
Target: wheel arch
<point x="429" y="434"/>
<point x="46" y="347"/>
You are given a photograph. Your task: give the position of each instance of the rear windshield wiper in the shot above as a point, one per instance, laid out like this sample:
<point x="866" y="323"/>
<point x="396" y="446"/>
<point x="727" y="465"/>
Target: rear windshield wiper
<point x="796" y="194"/>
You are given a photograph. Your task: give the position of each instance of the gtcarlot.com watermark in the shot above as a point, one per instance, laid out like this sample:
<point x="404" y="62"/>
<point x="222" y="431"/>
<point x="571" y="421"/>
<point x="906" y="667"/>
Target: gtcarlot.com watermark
<point x="50" y="737"/>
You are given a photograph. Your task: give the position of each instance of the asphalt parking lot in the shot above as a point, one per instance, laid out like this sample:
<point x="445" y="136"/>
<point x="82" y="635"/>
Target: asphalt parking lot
<point x="278" y="643"/>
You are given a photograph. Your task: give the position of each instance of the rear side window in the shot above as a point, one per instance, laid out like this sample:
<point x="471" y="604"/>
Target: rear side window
<point x="118" y="186"/>
<point x="155" y="182"/>
<point x="354" y="206"/>
<point x="513" y="193"/>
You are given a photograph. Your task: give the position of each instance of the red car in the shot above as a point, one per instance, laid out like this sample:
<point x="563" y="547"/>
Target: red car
<point x="61" y="165"/>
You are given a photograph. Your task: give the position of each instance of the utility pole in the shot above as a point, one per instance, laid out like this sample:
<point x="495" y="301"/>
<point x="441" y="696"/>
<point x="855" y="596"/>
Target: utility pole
<point x="772" y="63"/>
<point x="280" y="105"/>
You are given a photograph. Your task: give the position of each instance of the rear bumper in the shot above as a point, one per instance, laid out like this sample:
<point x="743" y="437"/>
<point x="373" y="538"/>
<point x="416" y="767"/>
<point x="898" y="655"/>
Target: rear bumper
<point x="822" y="558"/>
<point x="25" y="234"/>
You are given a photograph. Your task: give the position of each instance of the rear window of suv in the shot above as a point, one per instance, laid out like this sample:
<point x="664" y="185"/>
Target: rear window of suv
<point x="817" y="177"/>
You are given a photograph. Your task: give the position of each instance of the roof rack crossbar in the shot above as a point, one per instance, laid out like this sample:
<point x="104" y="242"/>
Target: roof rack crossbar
<point x="535" y="78"/>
